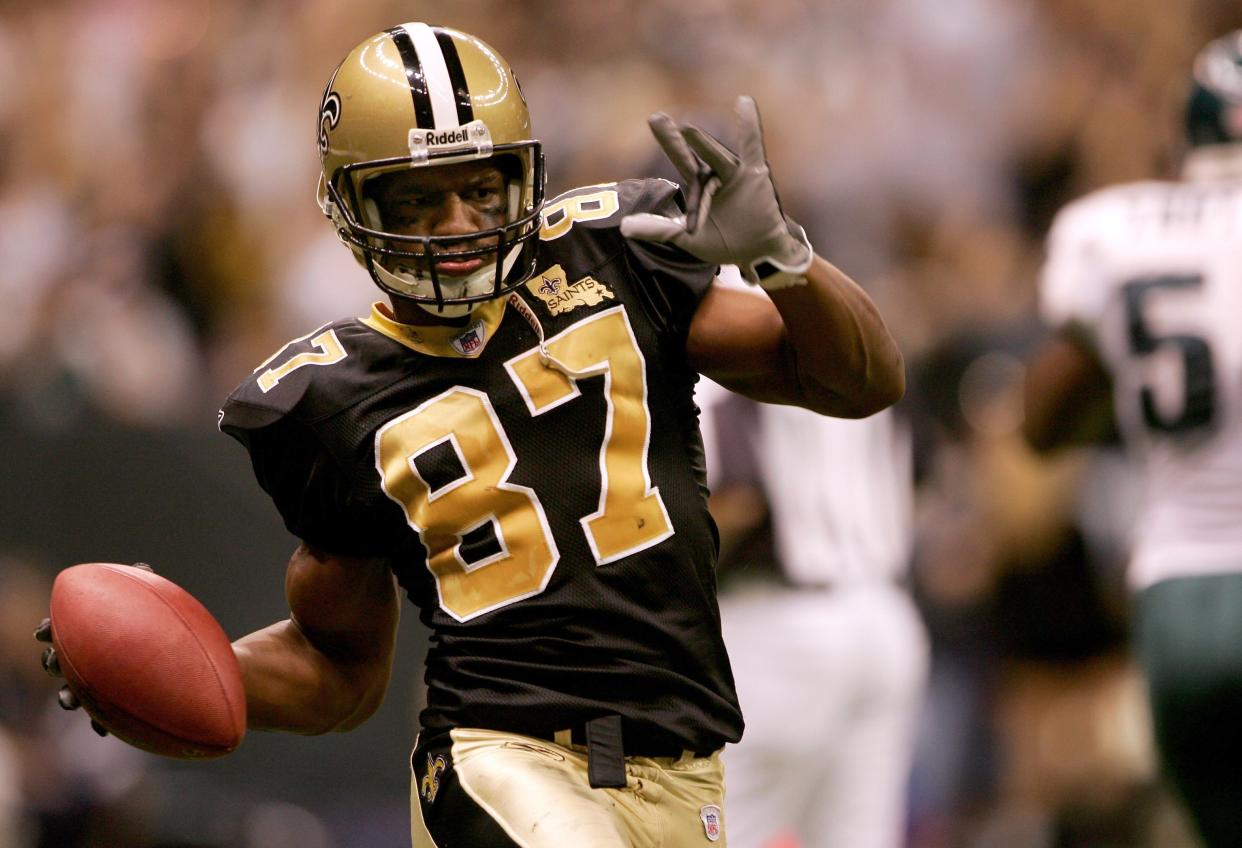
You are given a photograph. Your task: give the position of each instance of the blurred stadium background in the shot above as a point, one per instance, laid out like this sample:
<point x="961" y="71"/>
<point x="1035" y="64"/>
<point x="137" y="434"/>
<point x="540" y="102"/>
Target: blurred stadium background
<point x="159" y="238"/>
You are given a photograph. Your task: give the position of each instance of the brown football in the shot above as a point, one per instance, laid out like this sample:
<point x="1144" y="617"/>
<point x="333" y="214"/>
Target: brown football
<point x="147" y="661"/>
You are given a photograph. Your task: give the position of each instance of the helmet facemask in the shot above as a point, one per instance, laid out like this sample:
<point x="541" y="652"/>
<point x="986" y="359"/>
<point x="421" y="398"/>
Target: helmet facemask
<point x="410" y="266"/>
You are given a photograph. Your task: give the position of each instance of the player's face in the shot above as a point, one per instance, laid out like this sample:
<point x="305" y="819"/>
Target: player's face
<point x="451" y="200"/>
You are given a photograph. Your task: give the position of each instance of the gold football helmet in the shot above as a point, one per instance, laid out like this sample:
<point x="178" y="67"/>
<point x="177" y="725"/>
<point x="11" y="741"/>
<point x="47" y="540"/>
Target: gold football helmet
<point x="420" y="96"/>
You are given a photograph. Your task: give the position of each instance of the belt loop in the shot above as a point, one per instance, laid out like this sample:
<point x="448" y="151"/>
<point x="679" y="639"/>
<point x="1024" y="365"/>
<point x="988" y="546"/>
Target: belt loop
<point x="605" y="753"/>
<point x="564" y="738"/>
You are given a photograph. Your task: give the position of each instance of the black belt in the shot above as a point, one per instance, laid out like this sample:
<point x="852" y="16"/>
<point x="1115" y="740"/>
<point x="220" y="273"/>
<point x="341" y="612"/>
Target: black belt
<point x="607" y="749"/>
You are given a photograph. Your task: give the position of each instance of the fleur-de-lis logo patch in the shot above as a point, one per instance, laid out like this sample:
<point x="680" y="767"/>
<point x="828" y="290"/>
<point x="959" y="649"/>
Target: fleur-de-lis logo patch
<point x="430" y="784"/>
<point x="561" y="296"/>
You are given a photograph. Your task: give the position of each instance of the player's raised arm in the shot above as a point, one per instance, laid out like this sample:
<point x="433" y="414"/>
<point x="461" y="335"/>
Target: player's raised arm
<point x="822" y="345"/>
<point x="817" y="341"/>
<point x="326" y="667"/>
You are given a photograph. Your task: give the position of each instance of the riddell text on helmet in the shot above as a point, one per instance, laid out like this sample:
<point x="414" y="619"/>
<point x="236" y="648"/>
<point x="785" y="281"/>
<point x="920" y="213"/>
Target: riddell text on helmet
<point x="436" y="139"/>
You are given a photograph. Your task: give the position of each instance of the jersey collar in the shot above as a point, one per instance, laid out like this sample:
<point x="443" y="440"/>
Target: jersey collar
<point x="440" y="340"/>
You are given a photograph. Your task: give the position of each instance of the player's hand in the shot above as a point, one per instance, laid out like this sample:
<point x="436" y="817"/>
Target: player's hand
<point x="65" y="697"/>
<point x="733" y="215"/>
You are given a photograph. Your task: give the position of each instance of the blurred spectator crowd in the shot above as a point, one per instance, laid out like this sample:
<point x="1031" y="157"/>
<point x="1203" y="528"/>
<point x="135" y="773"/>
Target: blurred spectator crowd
<point x="159" y="237"/>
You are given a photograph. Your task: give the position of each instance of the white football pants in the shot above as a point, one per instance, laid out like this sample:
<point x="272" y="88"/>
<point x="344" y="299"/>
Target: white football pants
<point x="831" y="682"/>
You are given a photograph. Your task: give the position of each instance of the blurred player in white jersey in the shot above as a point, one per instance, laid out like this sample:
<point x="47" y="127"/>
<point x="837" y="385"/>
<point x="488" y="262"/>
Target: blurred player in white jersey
<point x="829" y="654"/>
<point x="1144" y="284"/>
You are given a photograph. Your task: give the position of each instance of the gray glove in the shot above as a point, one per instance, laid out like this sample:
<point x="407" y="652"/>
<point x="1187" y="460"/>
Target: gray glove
<point x="733" y="215"/>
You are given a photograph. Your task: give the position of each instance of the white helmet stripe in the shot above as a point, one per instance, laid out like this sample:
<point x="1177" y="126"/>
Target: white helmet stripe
<point x="435" y="71"/>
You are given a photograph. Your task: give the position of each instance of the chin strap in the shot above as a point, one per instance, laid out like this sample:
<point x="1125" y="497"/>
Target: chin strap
<point x="545" y="358"/>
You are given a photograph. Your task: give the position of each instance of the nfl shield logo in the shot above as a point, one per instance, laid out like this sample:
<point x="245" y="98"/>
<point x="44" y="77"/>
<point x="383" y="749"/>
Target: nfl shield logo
<point x="469" y="342"/>
<point x="710" y="814"/>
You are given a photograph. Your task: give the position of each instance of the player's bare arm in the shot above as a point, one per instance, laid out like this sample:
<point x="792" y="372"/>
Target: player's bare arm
<point x="325" y="668"/>
<point x="822" y="345"/>
<point x="819" y="341"/>
<point x="1068" y="396"/>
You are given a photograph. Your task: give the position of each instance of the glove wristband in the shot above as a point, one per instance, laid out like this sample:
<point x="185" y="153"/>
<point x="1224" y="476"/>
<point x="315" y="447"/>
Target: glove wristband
<point x="771" y="273"/>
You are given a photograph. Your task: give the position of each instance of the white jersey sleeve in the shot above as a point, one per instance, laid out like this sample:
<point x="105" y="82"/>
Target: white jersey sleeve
<point x="1075" y="281"/>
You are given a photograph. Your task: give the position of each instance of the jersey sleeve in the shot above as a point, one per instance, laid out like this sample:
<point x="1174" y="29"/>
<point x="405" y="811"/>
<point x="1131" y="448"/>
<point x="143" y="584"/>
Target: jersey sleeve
<point x="311" y="485"/>
<point x="1073" y="289"/>
<point x="302" y="483"/>
<point x="669" y="266"/>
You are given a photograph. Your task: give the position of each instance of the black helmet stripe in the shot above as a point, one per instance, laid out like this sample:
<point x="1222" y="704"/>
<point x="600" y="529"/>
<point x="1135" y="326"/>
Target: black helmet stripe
<point x="423" y="114"/>
<point x="465" y="111"/>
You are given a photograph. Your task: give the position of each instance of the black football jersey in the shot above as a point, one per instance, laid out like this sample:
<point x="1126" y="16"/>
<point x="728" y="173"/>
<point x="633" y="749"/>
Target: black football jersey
<point x="542" y="505"/>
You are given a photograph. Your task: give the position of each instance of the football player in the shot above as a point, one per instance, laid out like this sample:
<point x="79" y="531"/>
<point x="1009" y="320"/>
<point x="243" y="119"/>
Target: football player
<point x="511" y="440"/>
<point x="1144" y="282"/>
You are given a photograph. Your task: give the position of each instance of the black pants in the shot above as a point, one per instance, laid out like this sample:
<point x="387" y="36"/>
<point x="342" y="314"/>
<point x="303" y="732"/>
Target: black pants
<point x="1189" y="639"/>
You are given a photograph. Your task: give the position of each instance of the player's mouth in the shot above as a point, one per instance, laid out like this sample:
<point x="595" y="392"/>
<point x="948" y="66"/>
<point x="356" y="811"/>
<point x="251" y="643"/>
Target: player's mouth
<point x="459" y="267"/>
<point x="462" y="261"/>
